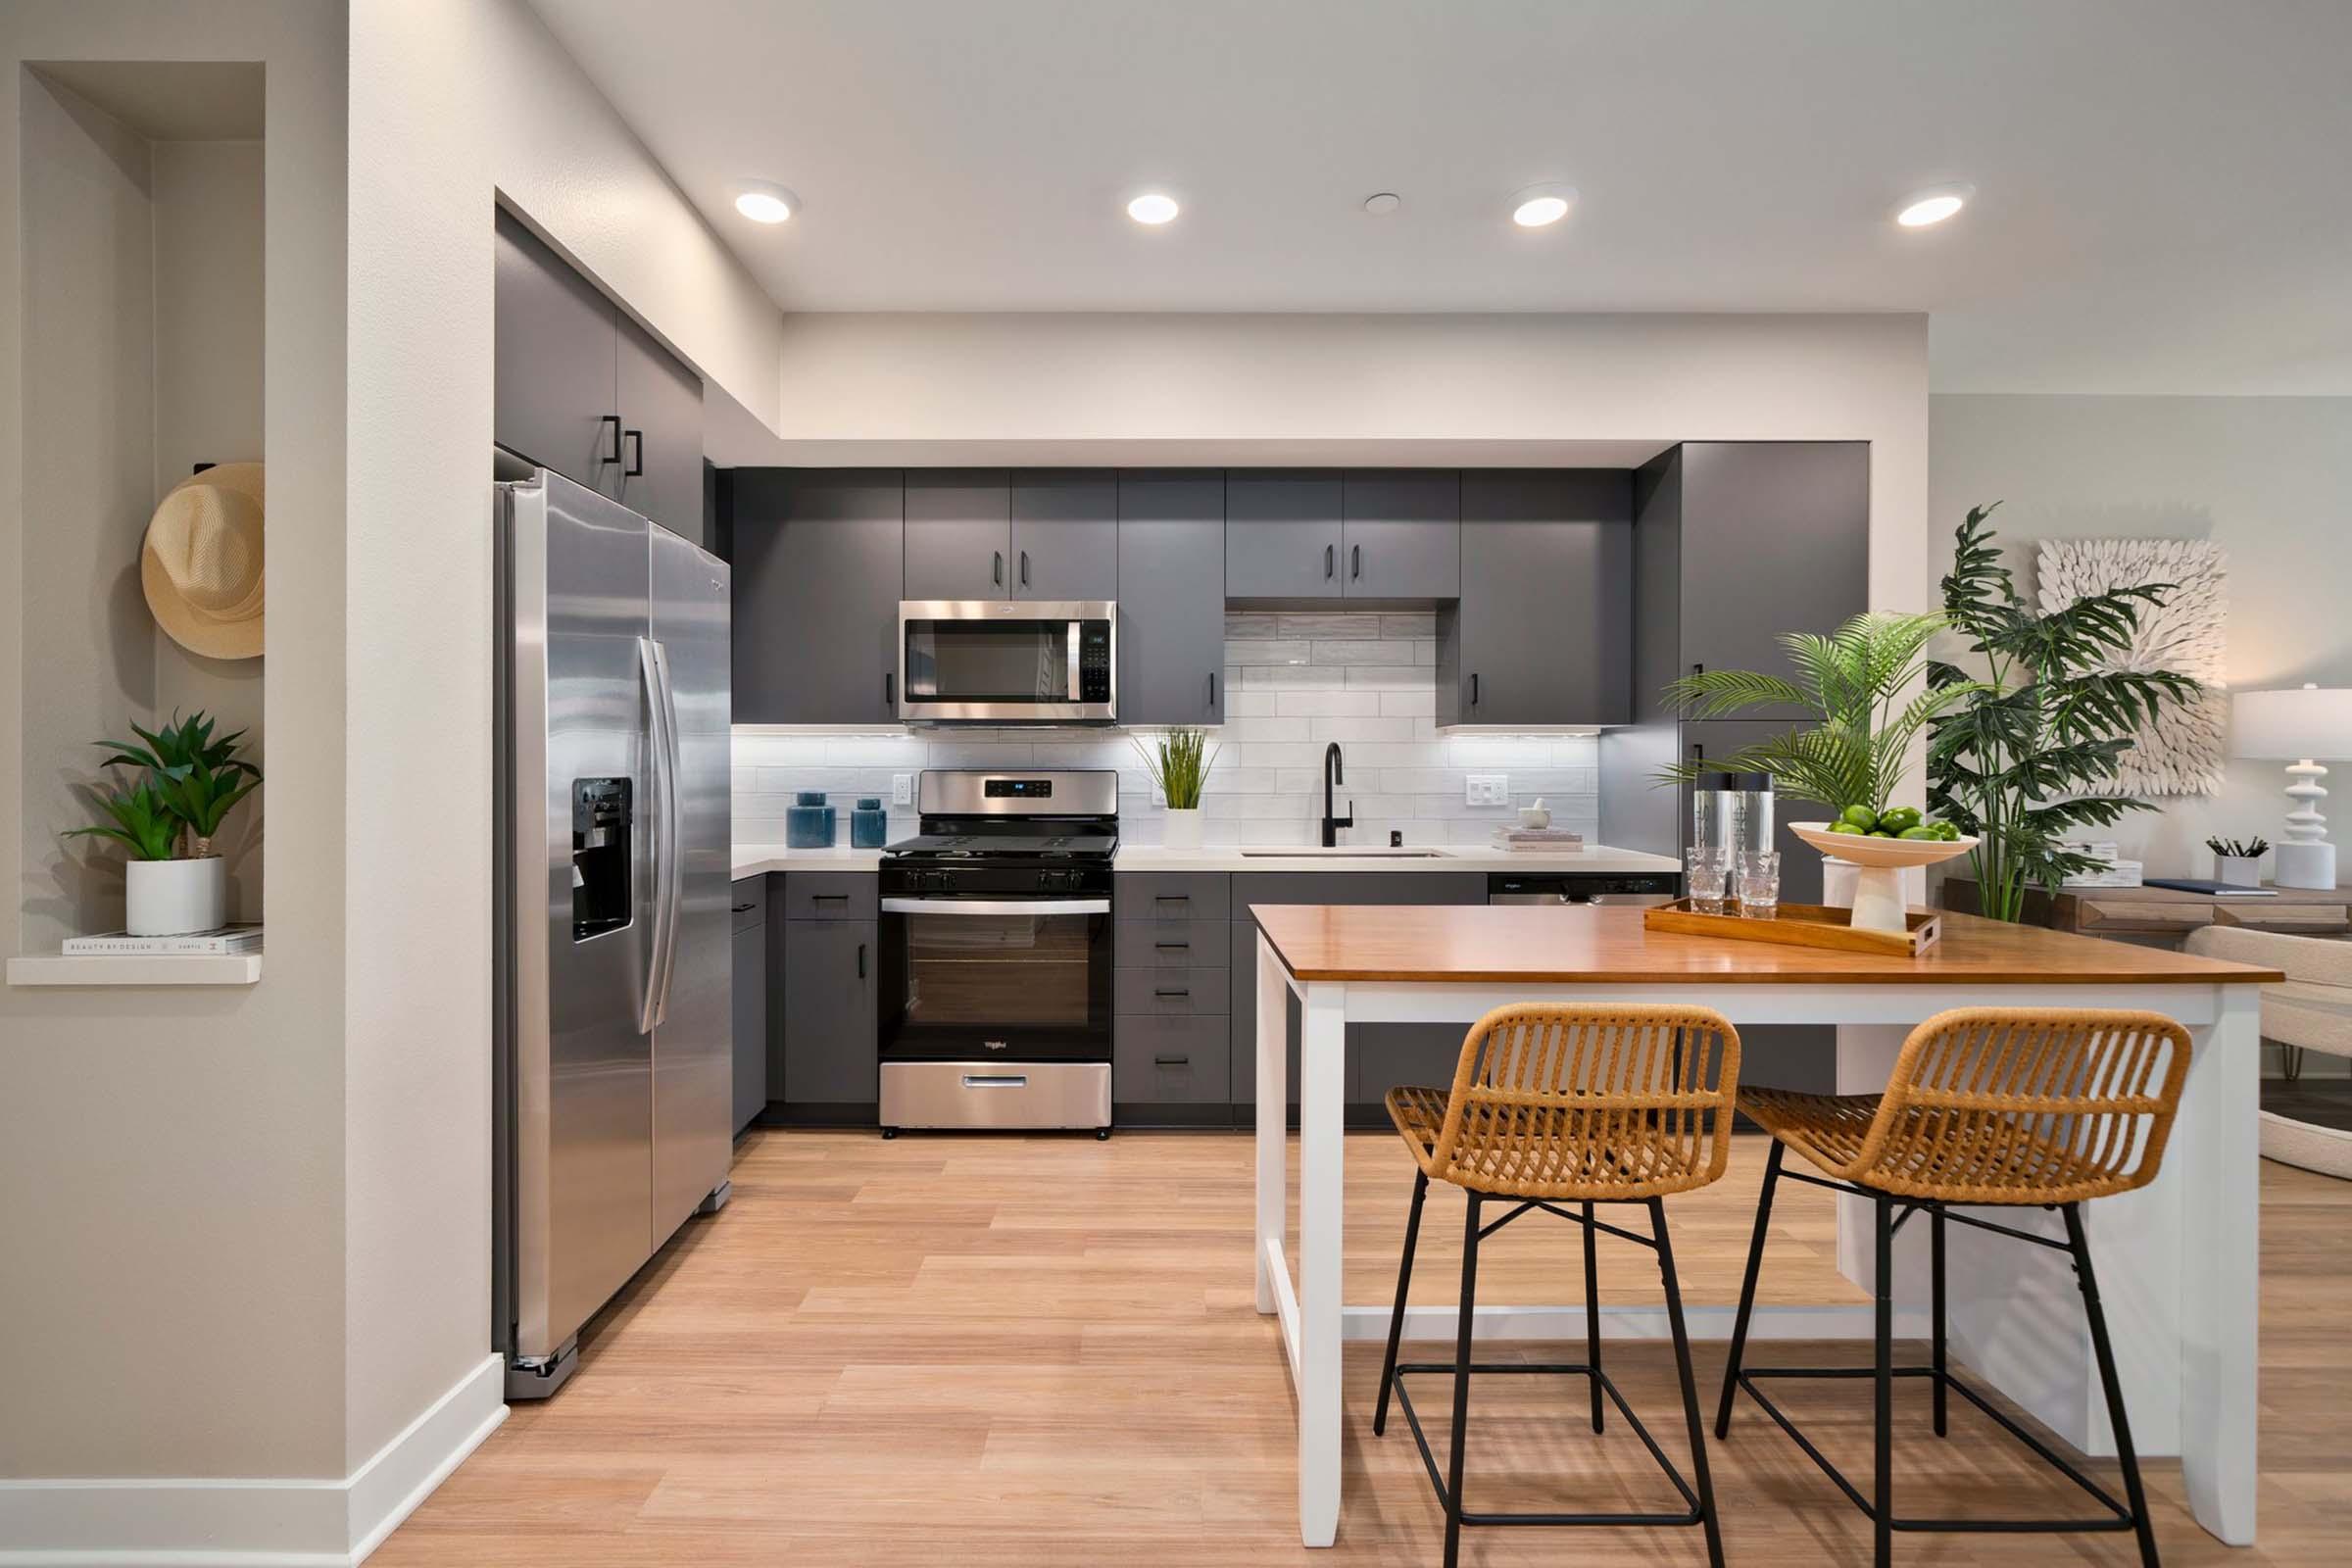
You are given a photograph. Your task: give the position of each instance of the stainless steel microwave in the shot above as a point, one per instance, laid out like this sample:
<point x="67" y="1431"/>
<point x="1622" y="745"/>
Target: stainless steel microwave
<point x="1007" y="661"/>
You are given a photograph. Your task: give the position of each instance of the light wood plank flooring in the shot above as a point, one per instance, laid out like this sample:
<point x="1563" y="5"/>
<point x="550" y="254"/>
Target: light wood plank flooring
<point x="1042" y="1350"/>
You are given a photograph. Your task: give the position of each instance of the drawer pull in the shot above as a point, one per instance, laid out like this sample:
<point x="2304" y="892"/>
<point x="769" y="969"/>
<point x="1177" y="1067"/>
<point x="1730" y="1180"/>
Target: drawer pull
<point x="996" y="1080"/>
<point x="1164" y="946"/>
<point x="828" y="898"/>
<point x="1173" y="991"/>
<point x="1171" y="898"/>
<point x="1171" y="1061"/>
<point x="745" y="908"/>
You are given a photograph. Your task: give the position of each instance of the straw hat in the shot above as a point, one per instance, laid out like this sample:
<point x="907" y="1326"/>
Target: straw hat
<point x="202" y="564"/>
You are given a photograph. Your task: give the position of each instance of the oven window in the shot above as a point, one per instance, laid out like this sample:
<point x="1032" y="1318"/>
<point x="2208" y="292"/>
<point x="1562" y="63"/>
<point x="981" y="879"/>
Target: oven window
<point x="989" y="661"/>
<point x="998" y="971"/>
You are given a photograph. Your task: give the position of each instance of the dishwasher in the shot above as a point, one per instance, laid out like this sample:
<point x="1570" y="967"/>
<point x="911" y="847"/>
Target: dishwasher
<point x="1637" y="890"/>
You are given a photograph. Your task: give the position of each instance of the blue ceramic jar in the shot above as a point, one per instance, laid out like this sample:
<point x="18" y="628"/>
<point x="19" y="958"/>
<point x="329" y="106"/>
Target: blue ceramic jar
<point x="809" y="823"/>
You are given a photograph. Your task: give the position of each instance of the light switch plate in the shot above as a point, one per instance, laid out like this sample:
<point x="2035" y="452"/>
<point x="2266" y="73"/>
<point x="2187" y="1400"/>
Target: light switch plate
<point x="902" y="789"/>
<point x="1488" y="789"/>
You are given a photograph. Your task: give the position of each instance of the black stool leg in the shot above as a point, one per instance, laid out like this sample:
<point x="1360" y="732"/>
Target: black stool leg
<point x="1747" y="1289"/>
<point x="1405" y="1277"/>
<point x="1461" y="1385"/>
<point x="1681" y="1363"/>
<point x="1883" y="1487"/>
<point x="1936" y="1269"/>
<point x="1592" y="1314"/>
<point x="2105" y="1351"/>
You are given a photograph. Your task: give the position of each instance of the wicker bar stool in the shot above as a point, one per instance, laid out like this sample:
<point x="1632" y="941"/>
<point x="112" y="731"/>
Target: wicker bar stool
<point x="1569" y="1106"/>
<point x="1987" y="1106"/>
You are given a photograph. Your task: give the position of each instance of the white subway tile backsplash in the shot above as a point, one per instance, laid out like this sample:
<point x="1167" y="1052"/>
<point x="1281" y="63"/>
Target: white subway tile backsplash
<point x="1293" y="684"/>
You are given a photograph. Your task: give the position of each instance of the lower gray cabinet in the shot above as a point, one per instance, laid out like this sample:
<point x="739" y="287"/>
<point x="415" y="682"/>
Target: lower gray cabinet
<point x="831" y="1069"/>
<point x="1166" y="1070"/>
<point x="750" y="1032"/>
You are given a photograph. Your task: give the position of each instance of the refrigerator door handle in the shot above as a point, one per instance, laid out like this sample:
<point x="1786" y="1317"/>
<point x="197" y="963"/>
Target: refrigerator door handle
<point x="658" y="848"/>
<point x="674" y="831"/>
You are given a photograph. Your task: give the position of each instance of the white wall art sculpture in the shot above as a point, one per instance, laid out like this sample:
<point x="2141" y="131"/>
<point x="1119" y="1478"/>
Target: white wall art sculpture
<point x="2182" y="751"/>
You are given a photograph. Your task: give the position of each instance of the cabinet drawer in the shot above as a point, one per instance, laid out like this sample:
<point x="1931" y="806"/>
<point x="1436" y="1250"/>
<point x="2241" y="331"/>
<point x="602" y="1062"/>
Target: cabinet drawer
<point x="830" y="895"/>
<point x="747" y="899"/>
<point x="1172" y="944"/>
<point x="1356" y="887"/>
<point x="1171" y="895"/>
<point x="1185" y="991"/>
<point x="1170" y="1062"/>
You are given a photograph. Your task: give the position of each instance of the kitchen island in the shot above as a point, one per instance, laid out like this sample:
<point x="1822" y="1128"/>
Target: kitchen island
<point x="2177" y="1258"/>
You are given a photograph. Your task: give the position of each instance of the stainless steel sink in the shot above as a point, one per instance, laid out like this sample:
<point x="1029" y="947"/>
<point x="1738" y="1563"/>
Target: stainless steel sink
<point x="1344" y="852"/>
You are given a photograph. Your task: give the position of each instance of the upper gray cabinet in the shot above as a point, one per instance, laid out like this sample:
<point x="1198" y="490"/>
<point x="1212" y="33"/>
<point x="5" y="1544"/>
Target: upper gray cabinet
<point x="820" y="555"/>
<point x="1401" y="531"/>
<point x="1171" y="592"/>
<point x="959" y="533"/>
<point x="1775" y="537"/>
<point x="1065" y="533"/>
<point x="1282" y="534"/>
<point x="582" y="389"/>
<point x="1542" y="632"/>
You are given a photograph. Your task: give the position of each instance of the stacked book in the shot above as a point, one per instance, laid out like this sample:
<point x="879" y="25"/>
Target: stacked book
<point x="226" y="940"/>
<point x="1554" y="839"/>
<point x="2113" y="870"/>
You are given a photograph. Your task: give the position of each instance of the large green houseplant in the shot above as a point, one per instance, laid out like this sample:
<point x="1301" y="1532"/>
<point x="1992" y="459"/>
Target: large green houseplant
<point x="2027" y="753"/>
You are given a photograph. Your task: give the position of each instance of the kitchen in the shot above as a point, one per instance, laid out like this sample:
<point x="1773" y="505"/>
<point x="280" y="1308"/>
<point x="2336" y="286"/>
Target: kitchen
<point x="853" y="925"/>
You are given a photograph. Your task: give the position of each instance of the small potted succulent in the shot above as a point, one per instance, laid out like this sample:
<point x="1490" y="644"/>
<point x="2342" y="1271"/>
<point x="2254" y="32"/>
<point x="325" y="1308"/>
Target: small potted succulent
<point x="167" y="816"/>
<point x="1179" y="764"/>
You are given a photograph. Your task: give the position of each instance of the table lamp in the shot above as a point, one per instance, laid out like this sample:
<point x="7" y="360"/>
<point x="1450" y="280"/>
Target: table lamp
<point x="2297" y="727"/>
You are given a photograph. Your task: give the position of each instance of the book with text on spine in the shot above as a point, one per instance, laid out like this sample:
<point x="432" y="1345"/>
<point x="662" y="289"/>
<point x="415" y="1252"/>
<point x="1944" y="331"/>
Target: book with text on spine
<point x="227" y="941"/>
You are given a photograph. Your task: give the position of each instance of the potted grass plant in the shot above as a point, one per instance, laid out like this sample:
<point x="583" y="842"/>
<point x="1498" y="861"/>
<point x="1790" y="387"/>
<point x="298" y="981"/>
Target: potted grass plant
<point x="1179" y="765"/>
<point x="186" y="778"/>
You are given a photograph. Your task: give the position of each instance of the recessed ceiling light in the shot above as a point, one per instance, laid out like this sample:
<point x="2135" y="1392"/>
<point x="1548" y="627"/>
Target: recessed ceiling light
<point x="1542" y="205"/>
<point x="1151" y="207"/>
<point x="1383" y="203"/>
<point x="1933" y="206"/>
<point x="764" y="202"/>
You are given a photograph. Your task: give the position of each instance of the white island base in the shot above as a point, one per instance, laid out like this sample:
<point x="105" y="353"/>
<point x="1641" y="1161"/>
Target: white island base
<point x="2177" y="1260"/>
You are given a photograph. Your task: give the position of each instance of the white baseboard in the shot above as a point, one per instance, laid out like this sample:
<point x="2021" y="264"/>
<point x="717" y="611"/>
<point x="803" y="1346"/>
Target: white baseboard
<point x="214" y="1523"/>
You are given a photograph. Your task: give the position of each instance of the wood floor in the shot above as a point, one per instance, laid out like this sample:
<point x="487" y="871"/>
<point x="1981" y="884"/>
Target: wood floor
<point x="1042" y="1350"/>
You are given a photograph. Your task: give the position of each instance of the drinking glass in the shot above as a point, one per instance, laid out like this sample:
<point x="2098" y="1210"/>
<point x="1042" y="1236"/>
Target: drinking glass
<point x="1759" y="885"/>
<point x="1708" y="867"/>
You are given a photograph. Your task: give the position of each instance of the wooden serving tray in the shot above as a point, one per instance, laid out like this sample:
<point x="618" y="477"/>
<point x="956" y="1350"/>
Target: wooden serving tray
<point x="1798" y="925"/>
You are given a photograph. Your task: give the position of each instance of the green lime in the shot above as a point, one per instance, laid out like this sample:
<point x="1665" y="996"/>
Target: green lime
<point x="1880" y="833"/>
<point x="1917" y="833"/>
<point x="1949" y="832"/>
<point x="1862" y="816"/>
<point x="1843" y="826"/>
<point x="1899" y="818"/>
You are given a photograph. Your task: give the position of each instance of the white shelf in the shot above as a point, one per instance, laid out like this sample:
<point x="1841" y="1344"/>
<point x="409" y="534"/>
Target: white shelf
<point x="137" y="970"/>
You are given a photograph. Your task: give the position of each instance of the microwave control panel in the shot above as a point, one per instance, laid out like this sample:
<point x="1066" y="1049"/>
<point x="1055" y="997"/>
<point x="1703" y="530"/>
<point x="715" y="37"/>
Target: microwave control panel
<point x="1094" y="661"/>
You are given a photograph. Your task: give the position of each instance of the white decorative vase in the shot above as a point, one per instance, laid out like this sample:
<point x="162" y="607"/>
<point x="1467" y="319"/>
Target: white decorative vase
<point x="1885" y="876"/>
<point x="2238" y="870"/>
<point x="167" y="898"/>
<point x="1184" y="829"/>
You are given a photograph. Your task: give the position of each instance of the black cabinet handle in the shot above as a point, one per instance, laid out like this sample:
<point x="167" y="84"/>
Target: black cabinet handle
<point x="824" y="898"/>
<point x="1171" y="898"/>
<point x="1184" y="947"/>
<point x="1356" y="561"/>
<point x="1474" y="688"/>
<point x="1212" y="691"/>
<point x="1173" y="991"/>
<point x="636" y="439"/>
<point x="1024" y="568"/>
<point x="612" y="419"/>
<point x="890" y="689"/>
<point x="1329" y="557"/>
<point x="860" y="960"/>
<point x="996" y="571"/>
<point x="745" y="908"/>
<point x="1699" y="669"/>
<point x="1171" y="1061"/>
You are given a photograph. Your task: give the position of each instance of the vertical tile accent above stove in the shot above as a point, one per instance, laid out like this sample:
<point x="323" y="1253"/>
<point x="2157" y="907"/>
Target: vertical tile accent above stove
<point x="1294" y="683"/>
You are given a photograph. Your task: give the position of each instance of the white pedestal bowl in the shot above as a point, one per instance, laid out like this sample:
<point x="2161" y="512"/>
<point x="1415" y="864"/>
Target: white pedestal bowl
<point x="1878" y="890"/>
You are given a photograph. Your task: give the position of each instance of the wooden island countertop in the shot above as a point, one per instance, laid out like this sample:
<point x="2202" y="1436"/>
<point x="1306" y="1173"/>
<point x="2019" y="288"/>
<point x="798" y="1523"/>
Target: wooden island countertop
<point x="1599" y="945"/>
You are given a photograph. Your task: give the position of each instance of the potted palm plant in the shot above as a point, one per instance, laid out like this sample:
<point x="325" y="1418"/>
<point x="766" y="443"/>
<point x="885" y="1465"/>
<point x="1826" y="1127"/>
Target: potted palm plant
<point x="1179" y="765"/>
<point x="187" y="780"/>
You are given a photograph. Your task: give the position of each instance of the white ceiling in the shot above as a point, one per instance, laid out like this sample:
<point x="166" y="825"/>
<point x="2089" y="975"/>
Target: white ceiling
<point x="2162" y="184"/>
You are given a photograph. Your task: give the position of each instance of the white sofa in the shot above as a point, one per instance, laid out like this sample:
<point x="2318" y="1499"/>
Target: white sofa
<point x="2311" y="1010"/>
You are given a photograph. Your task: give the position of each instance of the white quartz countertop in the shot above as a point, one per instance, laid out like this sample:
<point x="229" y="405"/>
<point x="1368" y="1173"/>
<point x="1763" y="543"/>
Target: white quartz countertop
<point x="757" y="859"/>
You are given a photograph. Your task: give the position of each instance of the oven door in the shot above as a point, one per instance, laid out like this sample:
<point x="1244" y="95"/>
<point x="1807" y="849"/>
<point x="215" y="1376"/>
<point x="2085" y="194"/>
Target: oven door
<point x="995" y="978"/>
<point x="1014" y="661"/>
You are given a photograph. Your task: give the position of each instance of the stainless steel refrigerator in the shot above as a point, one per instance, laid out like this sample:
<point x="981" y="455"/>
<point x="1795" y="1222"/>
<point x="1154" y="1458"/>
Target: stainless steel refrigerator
<point x="613" y="1067"/>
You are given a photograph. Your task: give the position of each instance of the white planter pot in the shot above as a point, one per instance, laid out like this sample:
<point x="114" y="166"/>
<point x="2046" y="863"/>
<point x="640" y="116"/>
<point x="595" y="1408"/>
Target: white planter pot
<point x="166" y="898"/>
<point x="1184" y="829"/>
<point x="2238" y="870"/>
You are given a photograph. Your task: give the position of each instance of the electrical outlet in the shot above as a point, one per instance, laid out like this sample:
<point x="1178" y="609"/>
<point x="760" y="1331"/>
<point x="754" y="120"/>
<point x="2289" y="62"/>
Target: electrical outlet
<point x="902" y="789"/>
<point x="1488" y="789"/>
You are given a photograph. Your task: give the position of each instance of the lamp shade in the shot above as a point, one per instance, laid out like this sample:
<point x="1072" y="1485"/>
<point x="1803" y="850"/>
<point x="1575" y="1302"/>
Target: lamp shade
<point x="2314" y="722"/>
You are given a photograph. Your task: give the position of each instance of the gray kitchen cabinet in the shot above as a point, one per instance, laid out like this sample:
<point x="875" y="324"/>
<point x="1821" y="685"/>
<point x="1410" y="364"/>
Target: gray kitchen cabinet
<point x="1171" y="593"/>
<point x="1400" y="532"/>
<point x="959" y="533"/>
<point x="820" y="556"/>
<point x="1543" y="631"/>
<point x="1066" y="534"/>
<point x="831" y="895"/>
<point x="1171" y="1070"/>
<point x="749" y="1029"/>
<point x="1282" y="534"/>
<point x="1775" y="538"/>
<point x="661" y="406"/>
<point x="1172" y="895"/>
<point x="1169" y="944"/>
<point x="831" y="1033"/>
<point x="556" y="347"/>
<point x="1160" y="990"/>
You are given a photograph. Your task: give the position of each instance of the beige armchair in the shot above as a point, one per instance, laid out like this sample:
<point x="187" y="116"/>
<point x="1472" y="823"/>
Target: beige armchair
<point x="2312" y="1011"/>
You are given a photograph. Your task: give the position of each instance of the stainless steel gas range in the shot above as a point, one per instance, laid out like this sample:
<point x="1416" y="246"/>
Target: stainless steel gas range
<point x="996" y="947"/>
